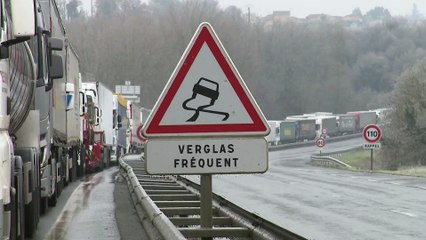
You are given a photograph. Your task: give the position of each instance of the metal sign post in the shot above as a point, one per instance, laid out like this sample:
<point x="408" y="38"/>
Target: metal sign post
<point x="206" y="203"/>
<point x="372" y="134"/>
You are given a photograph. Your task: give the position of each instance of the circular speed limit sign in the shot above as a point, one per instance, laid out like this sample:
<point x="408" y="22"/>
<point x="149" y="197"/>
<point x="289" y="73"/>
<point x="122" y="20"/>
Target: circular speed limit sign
<point x="372" y="133"/>
<point x="320" y="142"/>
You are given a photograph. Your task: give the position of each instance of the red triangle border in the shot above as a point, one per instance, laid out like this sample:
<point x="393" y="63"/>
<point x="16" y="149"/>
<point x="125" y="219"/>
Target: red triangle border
<point x="154" y="127"/>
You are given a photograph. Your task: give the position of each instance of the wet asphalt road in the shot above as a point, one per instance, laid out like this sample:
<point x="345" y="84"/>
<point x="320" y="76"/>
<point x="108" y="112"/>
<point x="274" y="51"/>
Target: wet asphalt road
<point x="324" y="203"/>
<point x="318" y="203"/>
<point x="98" y="206"/>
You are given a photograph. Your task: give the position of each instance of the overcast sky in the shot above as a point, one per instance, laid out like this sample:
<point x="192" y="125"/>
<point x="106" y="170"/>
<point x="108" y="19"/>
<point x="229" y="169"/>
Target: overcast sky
<point x="302" y="8"/>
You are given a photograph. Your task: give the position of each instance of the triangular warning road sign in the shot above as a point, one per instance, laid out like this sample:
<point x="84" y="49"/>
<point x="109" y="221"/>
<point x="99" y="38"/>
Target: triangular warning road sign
<point x="205" y="96"/>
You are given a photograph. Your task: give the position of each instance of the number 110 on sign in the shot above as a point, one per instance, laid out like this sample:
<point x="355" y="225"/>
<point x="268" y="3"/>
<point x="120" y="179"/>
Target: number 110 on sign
<point x="372" y="133"/>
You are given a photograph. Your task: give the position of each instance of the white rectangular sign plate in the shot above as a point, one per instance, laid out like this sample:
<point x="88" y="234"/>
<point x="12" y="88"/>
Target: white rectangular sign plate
<point x="206" y="156"/>
<point x="371" y="146"/>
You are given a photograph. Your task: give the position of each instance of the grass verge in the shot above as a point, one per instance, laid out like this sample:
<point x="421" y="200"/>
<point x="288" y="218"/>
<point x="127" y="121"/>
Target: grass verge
<point x="419" y="171"/>
<point x="360" y="160"/>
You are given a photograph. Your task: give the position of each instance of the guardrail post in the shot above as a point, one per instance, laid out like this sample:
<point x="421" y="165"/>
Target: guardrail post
<point x="206" y="203"/>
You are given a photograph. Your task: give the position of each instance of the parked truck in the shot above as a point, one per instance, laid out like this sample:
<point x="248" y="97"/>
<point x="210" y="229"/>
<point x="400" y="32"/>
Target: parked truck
<point x="363" y="118"/>
<point x="307" y="128"/>
<point x="382" y="115"/>
<point x="345" y="124"/>
<point x="73" y="119"/>
<point x="89" y="119"/>
<point x="288" y="131"/>
<point x="273" y="138"/>
<point x="59" y="108"/>
<point x="326" y="126"/>
<point x="326" y="123"/>
<point x="29" y="64"/>
<point x="297" y="130"/>
<point x="120" y="124"/>
<point x="135" y="143"/>
<point x="102" y="129"/>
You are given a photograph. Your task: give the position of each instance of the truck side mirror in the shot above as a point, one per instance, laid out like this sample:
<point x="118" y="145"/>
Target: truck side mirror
<point x="56" y="70"/>
<point x="23" y="18"/>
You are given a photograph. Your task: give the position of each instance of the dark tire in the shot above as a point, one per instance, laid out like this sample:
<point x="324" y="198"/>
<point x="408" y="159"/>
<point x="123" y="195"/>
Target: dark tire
<point x="30" y="219"/>
<point x="14" y="220"/>
<point x="74" y="166"/>
<point x="53" y="200"/>
<point x="14" y="211"/>
<point x="43" y="205"/>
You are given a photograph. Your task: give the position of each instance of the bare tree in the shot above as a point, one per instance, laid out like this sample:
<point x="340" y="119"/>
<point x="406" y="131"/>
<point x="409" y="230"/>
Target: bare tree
<point x="406" y="134"/>
<point x="291" y="68"/>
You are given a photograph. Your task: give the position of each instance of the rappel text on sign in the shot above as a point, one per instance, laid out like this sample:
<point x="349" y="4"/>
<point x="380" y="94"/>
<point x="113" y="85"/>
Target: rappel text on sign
<point x="229" y="155"/>
<point x="371" y="146"/>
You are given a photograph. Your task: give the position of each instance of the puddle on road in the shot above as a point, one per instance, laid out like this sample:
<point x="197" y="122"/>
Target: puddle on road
<point x="78" y="200"/>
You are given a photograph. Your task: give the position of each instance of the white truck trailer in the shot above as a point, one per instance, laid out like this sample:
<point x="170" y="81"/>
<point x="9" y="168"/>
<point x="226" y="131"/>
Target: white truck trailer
<point x="29" y="64"/>
<point x="135" y="144"/>
<point x="273" y="138"/>
<point x="101" y="148"/>
<point x="121" y="123"/>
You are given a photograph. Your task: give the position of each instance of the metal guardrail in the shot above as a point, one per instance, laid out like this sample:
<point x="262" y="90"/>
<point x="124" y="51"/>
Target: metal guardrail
<point x="156" y="224"/>
<point x="328" y="161"/>
<point x="169" y="208"/>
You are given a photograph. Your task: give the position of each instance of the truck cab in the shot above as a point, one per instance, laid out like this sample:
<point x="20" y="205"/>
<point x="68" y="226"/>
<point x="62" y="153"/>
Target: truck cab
<point x="25" y="51"/>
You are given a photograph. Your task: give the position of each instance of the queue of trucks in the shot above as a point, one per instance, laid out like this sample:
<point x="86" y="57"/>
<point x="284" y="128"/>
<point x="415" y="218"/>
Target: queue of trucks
<point x="309" y="126"/>
<point x="54" y="126"/>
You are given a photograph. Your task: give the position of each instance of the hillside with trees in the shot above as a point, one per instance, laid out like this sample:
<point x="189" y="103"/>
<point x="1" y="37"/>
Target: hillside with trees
<point x="291" y="67"/>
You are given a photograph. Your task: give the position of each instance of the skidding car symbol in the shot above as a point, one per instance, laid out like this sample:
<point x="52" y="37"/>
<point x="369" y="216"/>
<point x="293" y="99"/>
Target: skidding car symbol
<point x="209" y="89"/>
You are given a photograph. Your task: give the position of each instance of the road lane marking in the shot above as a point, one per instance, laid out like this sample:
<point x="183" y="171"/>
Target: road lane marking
<point x="405" y="213"/>
<point x="395" y="183"/>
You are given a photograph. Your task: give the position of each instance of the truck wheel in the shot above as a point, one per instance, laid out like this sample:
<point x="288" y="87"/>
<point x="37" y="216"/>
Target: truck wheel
<point x="54" y="198"/>
<point x="43" y="205"/>
<point x="30" y="219"/>
<point x="73" y="174"/>
<point x="15" y="224"/>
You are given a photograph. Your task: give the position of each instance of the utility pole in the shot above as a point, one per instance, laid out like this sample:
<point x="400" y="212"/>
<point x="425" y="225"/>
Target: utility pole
<point x="92" y="10"/>
<point x="249" y="21"/>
